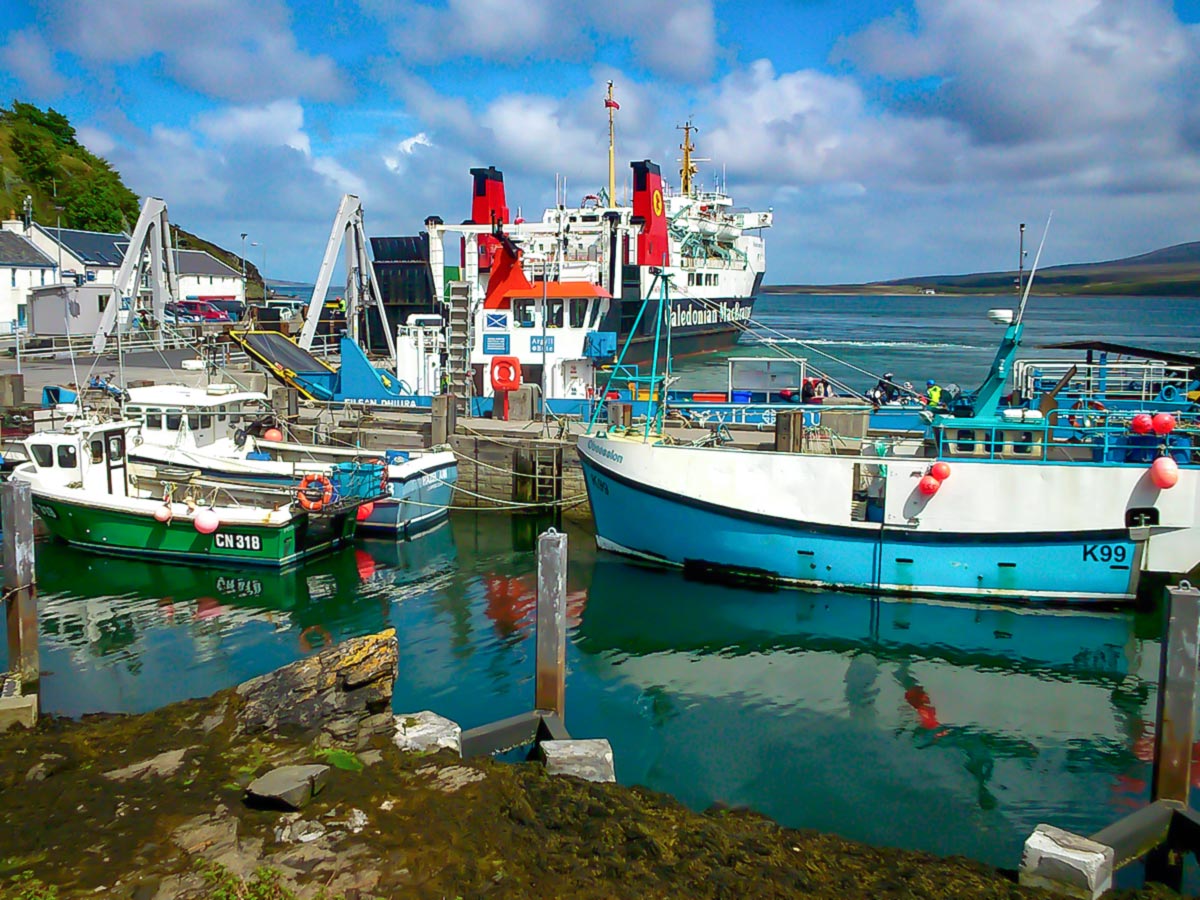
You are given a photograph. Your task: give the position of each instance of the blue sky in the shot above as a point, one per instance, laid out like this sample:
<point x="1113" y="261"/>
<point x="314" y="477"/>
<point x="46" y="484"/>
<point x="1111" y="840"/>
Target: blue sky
<point x="890" y="138"/>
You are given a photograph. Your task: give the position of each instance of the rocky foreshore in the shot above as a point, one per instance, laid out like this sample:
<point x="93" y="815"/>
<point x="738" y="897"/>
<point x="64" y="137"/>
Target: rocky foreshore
<point x="294" y="784"/>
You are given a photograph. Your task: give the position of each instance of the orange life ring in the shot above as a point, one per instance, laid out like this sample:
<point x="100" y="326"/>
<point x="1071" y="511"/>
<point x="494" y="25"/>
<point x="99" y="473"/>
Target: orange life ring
<point x="321" y="631"/>
<point x="315" y="491"/>
<point x="383" y="478"/>
<point x="1084" y="421"/>
<point x="506" y="373"/>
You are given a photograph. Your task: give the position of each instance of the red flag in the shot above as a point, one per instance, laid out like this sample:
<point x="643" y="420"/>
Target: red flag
<point x="611" y="103"/>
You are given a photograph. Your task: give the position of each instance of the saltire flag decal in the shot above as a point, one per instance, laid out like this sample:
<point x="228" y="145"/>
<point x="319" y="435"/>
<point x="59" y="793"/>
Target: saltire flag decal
<point x="495" y="320"/>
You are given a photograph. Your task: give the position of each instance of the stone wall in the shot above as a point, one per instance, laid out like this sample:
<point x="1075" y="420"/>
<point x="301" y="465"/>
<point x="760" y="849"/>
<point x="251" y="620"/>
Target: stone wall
<point x="343" y="693"/>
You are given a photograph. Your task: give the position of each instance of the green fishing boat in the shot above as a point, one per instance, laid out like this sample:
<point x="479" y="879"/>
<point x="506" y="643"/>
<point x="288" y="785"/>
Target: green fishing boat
<point x="85" y="494"/>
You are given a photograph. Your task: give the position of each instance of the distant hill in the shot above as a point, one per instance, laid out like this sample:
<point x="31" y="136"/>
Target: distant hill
<point x="1169" y="272"/>
<point x="41" y="158"/>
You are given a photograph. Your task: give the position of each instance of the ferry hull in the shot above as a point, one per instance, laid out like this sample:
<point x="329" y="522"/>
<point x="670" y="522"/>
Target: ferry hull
<point x="637" y="516"/>
<point x="121" y="533"/>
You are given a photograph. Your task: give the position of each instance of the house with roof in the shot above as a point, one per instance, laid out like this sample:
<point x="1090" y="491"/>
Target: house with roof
<point x="22" y="267"/>
<point x="204" y="277"/>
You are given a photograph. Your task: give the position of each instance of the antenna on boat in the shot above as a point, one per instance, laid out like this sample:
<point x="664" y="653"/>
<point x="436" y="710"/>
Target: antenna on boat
<point x="611" y="105"/>
<point x="1033" y="269"/>
<point x="687" y="167"/>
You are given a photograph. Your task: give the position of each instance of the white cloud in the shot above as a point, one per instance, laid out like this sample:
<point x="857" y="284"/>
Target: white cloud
<point x="226" y="49"/>
<point x="27" y="56"/>
<point x="280" y="122"/>
<point x="96" y="140"/>
<point x="395" y="161"/>
<point x="674" y="38"/>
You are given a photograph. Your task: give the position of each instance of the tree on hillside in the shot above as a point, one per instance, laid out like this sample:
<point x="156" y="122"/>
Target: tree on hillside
<point x="54" y="123"/>
<point x="100" y="204"/>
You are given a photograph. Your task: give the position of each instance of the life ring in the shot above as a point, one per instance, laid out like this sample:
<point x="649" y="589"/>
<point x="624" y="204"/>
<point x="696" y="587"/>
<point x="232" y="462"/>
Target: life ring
<point x="1085" y="421"/>
<point x="320" y="631"/>
<point x="315" y="491"/>
<point x="383" y="478"/>
<point x="1169" y="393"/>
<point x="506" y="373"/>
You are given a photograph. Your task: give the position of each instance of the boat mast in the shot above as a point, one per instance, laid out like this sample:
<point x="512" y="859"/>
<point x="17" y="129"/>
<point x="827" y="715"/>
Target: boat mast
<point x="687" y="168"/>
<point x="1021" y="262"/>
<point x="611" y="105"/>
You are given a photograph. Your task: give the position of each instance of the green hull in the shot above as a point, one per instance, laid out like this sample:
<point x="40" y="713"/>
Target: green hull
<point x="121" y="533"/>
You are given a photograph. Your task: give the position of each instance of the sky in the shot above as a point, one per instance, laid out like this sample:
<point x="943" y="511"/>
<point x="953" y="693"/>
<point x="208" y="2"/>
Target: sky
<point x="891" y="139"/>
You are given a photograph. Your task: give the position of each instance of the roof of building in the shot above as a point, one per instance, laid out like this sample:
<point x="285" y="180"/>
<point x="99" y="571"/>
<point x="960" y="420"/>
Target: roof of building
<point x="17" y="251"/>
<point x="201" y="262"/>
<point x="95" y="248"/>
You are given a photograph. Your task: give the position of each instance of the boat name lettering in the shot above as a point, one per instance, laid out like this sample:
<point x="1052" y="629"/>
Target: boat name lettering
<point x="1103" y="553"/>
<point x="45" y="512"/>
<point x="377" y="402"/>
<point x="710" y="314"/>
<point x="601" y="450"/>
<point x="225" y="541"/>
<point x="600" y="484"/>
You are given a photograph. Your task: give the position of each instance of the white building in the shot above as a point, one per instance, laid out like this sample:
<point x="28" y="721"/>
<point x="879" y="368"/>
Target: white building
<point x="204" y="277"/>
<point x="22" y="267"/>
<point x="89" y="256"/>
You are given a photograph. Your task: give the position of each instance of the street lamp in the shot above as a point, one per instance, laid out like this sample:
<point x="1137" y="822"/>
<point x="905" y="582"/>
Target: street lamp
<point x="243" y="267"/>
<point x="262" y="271"/>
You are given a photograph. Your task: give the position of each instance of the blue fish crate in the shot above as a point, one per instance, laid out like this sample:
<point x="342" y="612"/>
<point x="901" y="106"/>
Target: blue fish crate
<point x="357" y="481"/>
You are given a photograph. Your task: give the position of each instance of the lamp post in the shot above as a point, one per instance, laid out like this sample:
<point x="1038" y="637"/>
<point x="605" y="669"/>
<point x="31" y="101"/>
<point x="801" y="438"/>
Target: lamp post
<point x="262" y="271"/>
<point x="243" y="267"/>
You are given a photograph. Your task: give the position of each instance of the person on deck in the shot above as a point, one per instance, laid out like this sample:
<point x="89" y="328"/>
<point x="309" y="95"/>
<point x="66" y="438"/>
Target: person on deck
<point x="886" y="390"/>
<point x="933" y="392"/>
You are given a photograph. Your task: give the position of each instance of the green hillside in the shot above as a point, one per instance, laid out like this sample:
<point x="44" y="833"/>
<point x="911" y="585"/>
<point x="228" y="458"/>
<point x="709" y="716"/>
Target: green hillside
<point x="1170" y="272"/>
<point x="41" y="158"/>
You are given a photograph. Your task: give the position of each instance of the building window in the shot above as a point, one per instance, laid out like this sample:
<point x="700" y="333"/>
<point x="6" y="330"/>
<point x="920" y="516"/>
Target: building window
<point x="101" y="302"/>
<point x="14" y="276"/>
<point x="43" y="277"/>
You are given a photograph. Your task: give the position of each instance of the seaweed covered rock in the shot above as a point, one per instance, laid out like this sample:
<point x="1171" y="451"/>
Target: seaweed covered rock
<point x="344" y="691"/>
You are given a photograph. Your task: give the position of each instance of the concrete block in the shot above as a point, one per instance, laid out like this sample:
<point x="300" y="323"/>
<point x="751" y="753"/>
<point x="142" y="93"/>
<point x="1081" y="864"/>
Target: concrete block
<point x="427" y="732"/>
<point x="18" y="711"/>
<point x="1067" y="863"/>
<point x="591" y="760"/>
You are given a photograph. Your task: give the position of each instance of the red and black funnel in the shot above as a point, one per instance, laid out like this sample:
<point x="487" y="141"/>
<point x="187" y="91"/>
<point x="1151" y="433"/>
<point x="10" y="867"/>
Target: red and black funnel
<point x="648" y="205"/>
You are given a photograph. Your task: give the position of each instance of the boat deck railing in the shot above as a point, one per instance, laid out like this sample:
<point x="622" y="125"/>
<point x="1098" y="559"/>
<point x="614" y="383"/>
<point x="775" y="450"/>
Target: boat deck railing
<point x="1069" y="436"/>
<point x="1146" y="382"/>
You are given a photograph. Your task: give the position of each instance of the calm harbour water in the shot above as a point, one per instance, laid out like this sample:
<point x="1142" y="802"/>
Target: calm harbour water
<point x="953" y="728"/>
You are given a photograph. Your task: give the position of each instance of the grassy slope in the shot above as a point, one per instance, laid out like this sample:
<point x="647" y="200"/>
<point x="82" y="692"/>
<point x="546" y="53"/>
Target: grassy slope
<point x="77" y="163"/>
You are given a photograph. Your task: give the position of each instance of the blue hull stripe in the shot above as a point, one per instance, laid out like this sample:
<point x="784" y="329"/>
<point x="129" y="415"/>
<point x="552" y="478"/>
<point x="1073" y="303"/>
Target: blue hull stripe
<point x="711" y="541"/>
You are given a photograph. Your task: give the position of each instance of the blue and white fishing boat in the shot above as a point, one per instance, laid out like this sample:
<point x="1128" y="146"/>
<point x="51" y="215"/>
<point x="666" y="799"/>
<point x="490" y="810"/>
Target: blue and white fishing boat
<point x="987" y="502"/>
<point x="227" y="434"/>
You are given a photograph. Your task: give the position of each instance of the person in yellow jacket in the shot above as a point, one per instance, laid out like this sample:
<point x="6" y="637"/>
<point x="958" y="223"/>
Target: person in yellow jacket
<point x="933" y="392"/>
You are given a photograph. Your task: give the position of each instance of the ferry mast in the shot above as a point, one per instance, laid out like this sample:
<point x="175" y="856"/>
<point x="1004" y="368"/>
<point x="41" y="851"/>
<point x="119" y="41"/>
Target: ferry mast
<point x="611" y="105"/>
<point x="687" y="168"/>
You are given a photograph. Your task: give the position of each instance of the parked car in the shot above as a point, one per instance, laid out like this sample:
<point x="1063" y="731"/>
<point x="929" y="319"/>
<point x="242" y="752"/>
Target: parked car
<point x="203" y="310"/>
<point x="235" y="309"/>
<point x="180" y="314"/>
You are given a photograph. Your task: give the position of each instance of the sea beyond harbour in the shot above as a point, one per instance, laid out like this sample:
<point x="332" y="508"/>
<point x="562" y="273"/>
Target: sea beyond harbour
<point x="946" y="727"/>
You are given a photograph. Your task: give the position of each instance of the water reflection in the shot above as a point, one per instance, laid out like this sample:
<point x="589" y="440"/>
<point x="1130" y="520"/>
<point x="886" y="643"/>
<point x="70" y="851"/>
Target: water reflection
<point x="952" y="727"/>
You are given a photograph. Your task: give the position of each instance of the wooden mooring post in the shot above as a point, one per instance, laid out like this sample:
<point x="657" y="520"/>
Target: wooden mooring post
<point x="1166" y="829"/>
<point x="18" y="695"/>
<point x="543" y="725"/>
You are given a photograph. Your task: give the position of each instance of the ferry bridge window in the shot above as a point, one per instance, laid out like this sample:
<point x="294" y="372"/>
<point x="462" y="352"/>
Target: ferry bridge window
<point x="554" y="313"/>
<point x="43" y="455"/>
<point x="67" y="457"/>
<point x="97" y="447"/>
<point x="220" y="413"/>
<point x="174" y="419"/>
<point x="578" y="312"/>
<point x="523" y="312"/>
<point x="194" y="421"/>
<point x="153" y="418"/>
<point x="206" y="420"/>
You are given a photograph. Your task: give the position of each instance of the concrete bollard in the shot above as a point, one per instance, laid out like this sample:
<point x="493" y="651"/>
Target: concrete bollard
<point x="1066" y="863"/>
<point x="551" y="665"/>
